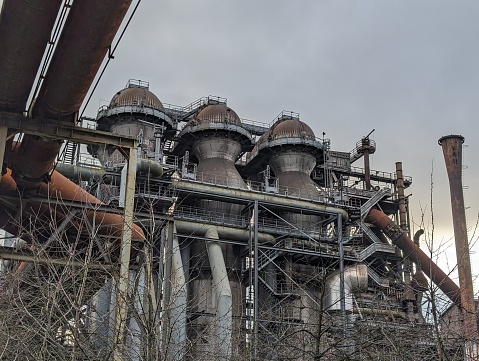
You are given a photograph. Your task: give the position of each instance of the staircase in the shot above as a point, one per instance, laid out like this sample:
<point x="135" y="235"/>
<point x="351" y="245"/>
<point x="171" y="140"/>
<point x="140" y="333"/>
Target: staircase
<point x="68" y="155"/>
<point x="375" y="247"/>
<point x="273" y="290"/>
<point x="267" y="256"/>
<point x="371" y="202"/>
<point x="381" y="281"/>
<point x="369" y="233"/>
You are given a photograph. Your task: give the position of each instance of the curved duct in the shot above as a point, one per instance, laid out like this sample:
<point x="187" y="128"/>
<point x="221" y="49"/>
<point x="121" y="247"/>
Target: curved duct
<point x="84" y="42"/>
<point x="355" y="280"/>
<point x="25" y="29"/>
<point x="222" y="290"/>
<point x="62" y="188"/>
<point x="413" y="252"/>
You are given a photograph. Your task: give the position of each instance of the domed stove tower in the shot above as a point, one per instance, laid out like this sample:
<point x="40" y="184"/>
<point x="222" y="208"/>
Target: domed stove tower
<point x="292" y="151"/>
<point x="134" y="111"/>
<point x="216" y="138"/>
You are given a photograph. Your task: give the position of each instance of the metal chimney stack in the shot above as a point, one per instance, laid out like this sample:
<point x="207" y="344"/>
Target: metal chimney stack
<point x="452" y="149"/>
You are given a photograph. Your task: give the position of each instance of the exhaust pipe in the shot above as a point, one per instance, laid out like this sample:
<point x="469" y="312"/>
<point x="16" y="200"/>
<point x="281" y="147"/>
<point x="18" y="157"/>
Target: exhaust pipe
<point x="452" y="150"/>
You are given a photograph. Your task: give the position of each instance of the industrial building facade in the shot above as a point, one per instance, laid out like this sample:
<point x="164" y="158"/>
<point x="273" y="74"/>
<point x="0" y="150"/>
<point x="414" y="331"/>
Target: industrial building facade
<point x="188" y="233"/>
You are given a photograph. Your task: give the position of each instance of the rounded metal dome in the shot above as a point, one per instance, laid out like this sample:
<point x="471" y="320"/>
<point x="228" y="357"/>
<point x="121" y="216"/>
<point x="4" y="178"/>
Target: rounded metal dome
<point x="291" y="128"/>
<point x="136" y="96"/>
<point x="217" y="113"/>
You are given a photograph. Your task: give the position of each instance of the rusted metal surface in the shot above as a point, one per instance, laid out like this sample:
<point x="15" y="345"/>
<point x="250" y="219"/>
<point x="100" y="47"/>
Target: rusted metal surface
<point x="83" y="44"/>
<point x="286" y="128"/>
<point x="217" y="113"/>
<point x="136" y="96"/>
<point x="25" y="28"/>
<point x="452" y="150"/>
<point x="414" y="253"/>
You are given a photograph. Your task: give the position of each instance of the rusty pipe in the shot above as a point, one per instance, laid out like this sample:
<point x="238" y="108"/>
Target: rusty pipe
<point x="62" y="188"/>
<point x="84" y="42"/>
<point x="25" y="29"/>
<point x="452" y="150"/>
<point x="413" y="252"/>
<point x="32" y="164"/>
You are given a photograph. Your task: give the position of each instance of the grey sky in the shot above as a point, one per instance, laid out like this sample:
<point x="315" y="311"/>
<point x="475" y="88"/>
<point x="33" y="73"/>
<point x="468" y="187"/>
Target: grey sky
<point x="408" y="68"/>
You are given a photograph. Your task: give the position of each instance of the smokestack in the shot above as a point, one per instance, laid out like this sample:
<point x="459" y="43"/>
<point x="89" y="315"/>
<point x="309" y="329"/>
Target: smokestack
<point x="452" y="149"/>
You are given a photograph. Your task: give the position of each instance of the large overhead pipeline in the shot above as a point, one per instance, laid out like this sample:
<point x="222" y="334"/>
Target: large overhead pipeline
<point x="83" y="44"/>
<point x="452" y="149"/>
<point x="415" y="254"/>
<point x="25" y="29"/>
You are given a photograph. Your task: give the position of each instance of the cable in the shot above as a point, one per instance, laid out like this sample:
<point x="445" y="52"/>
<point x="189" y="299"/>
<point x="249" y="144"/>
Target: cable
<point x="110" y="56"/>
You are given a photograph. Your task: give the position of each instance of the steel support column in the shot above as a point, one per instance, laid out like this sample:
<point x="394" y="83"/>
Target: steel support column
<point x="121" y="310"/>
<point x="255" y="303"/>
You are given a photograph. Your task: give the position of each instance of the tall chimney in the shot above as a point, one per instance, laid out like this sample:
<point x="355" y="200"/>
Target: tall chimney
<point x="452" y="149"/>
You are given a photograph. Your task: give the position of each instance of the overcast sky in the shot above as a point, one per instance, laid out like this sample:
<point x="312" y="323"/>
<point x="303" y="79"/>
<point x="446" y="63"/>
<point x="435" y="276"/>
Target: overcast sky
<point x="407" y="68"/>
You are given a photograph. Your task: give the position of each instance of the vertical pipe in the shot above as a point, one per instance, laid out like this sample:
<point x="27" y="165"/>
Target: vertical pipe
<point x="125" y="251"/>
<point x="452" y="150"/>
<point x="256" y="291"/>
<point x="401" y="197"/>
<point x="403" y="217"/>
<point x="224" y="306"/>
<point x="367" y="169"/>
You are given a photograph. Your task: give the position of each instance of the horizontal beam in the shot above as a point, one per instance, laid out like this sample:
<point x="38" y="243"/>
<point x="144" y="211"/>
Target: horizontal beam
<point x="10" y="253"/>
<point x="62" y="130"/>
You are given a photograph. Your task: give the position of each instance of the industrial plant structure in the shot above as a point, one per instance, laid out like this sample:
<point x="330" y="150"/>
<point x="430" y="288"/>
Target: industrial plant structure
<point x="194" y="234"/>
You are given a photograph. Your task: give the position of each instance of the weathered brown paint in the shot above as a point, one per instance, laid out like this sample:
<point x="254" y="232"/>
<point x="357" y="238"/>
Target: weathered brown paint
<point x="452" y="150"/>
